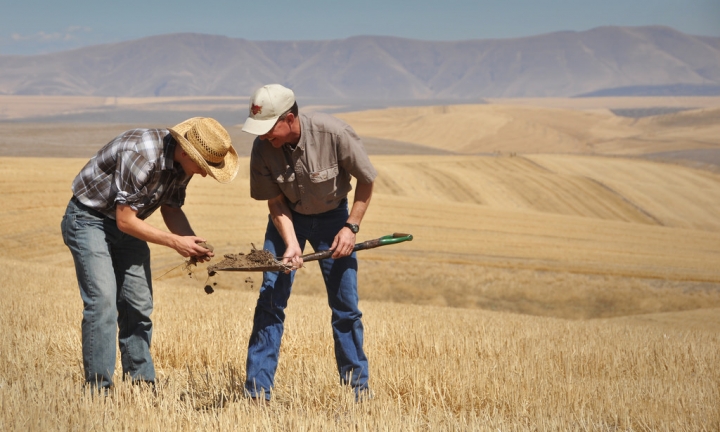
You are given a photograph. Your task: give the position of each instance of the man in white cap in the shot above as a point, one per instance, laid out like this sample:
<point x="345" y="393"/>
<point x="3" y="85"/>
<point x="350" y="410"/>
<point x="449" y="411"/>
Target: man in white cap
<point x="302" y="164"/>
<point x="104" y="227"/>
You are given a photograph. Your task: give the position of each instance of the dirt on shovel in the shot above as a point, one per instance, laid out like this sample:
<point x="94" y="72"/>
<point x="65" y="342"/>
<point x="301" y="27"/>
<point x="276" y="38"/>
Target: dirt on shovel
<point x="257" y="259"/>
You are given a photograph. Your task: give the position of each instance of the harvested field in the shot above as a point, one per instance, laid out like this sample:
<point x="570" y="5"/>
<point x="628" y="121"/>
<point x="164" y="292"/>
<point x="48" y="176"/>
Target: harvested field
<point x="540" y="292"/>
<point x="530" y="129"/>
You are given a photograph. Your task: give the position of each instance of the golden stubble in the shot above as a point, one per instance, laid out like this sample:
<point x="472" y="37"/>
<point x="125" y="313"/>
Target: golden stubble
<point x="432" y="368"/>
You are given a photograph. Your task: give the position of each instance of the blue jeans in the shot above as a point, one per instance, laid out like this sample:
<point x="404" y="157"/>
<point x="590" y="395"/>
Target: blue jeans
<point x="340" y="278"/>
<point x="113" y="272"/>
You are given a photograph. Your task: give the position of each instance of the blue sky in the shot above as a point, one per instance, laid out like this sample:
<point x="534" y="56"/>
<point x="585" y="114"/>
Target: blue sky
<point x="37" y="26"/>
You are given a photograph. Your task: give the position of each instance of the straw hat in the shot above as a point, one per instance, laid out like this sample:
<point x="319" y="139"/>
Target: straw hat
<point x="208" y="144"/>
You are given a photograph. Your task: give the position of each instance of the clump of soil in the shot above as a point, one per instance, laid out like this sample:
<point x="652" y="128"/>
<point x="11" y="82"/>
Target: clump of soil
<point x="255" y="259"/>
<point x="194" y="260"/>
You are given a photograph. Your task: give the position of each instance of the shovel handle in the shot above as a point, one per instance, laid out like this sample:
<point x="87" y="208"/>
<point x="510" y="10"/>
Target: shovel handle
<point x="382" y="241"/>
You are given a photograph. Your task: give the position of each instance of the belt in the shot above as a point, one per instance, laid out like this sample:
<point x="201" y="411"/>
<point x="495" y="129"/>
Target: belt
<point x="85" y="208"/>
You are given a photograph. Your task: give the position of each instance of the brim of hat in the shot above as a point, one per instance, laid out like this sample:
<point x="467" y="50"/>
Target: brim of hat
<point x="223" y="172"/>
<point x="259" y="127"/>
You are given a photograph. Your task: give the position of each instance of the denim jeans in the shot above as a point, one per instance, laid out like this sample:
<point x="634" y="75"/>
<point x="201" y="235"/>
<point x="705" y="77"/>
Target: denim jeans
<point x="340" y="278"/>
<point x="113" y="272"/>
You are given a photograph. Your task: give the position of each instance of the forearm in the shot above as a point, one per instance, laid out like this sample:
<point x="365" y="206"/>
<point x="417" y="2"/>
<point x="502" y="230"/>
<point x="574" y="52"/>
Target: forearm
<point x="176" y="221"/>
<point x="363" y="194"/>
<point x="282" y="219"/>
<point x="128" y="223"/>
<point x="182" y="240"/>
<point x="345" y="239"/>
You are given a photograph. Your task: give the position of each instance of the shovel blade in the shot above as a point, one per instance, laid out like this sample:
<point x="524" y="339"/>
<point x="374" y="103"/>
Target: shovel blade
<point x="246" y="269"/>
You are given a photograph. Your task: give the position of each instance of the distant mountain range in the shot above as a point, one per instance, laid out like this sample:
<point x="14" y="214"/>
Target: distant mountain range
<point x="602" y="61"/>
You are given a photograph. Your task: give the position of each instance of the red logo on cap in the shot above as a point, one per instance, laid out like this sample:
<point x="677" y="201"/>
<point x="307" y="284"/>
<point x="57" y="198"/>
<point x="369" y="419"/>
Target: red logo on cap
<point x="256" y="109"/>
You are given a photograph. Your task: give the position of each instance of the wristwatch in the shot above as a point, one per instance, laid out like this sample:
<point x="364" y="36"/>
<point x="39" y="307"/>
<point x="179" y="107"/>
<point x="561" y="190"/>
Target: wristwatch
<point x="355" y="228"/>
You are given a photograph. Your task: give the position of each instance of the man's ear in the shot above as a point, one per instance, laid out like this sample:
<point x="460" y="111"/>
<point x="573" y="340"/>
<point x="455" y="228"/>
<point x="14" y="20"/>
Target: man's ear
<point x="179" y="153"/>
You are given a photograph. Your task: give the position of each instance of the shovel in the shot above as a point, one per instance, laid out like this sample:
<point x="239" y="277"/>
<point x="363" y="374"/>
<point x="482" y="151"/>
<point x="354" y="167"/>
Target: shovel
<point x="275" y="264"/>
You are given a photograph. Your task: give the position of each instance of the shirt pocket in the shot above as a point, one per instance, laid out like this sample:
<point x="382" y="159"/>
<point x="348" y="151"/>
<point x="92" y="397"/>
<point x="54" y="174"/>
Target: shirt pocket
<point x="287" y="182"/>
<point x="324" y="182"/>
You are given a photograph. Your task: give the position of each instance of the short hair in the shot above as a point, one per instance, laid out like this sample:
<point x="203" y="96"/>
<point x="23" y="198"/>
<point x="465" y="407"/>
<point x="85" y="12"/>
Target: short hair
<point x="293" y="109"/>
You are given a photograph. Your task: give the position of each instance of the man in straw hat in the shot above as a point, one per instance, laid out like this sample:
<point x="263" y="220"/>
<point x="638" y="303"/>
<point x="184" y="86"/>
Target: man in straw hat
<point x="104" y="227"/>
<point x="302" y="164"/>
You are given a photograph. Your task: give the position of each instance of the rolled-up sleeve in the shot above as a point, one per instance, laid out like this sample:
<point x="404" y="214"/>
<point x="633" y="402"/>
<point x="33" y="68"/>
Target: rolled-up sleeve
<point x="132" y="174"/>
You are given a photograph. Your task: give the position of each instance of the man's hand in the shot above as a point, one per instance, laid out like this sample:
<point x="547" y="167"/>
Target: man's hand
<point x="181" y="238"/>
<point x="192" y="246"/>
<point x="293" y="258"/>
<point x="344" y="241"/>
<point x="202" y="258"/>
<point x="282" y="219"/>
<point x="343" y="244"/>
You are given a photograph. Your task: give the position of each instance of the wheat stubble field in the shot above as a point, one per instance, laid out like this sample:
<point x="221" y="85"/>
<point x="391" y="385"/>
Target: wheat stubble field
<point x="570" y="289"/>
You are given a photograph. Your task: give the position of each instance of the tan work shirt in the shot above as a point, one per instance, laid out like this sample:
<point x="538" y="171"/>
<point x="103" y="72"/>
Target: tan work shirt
<point x="315" y="175"/>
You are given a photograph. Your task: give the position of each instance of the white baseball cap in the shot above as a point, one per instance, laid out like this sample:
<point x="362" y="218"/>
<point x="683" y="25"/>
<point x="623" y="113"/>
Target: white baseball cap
<point x="266" y="106"/>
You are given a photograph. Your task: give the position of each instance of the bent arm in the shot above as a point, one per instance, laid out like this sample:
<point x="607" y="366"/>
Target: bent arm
<point x="176" y="221"/>
<point x="363" y="193"/>
<point x="344" y="241"/>
<point x="282" y="219"/>
<point x="181" y="238"/>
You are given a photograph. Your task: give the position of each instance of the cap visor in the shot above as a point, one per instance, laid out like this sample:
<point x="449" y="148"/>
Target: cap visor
<point x="258" y="127"/>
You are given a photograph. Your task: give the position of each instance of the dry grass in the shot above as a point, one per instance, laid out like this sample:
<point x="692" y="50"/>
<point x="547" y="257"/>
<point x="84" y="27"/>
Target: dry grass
<point x="432" y="368"/>
<point x="544" y="292"/>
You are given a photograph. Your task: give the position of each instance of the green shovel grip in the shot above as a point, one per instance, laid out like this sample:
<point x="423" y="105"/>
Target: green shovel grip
<point x="395" y="238"/>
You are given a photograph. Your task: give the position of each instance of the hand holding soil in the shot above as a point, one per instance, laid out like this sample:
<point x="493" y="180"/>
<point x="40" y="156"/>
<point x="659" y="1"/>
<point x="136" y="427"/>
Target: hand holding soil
<point x="194" y="260"/>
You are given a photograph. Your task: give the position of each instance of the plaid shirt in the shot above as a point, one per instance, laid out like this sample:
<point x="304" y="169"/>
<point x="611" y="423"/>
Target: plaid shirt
<point x="136" y="169"/>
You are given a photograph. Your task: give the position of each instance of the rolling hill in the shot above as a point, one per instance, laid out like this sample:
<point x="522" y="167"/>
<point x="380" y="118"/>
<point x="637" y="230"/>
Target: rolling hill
<point x="489" y="128"/>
